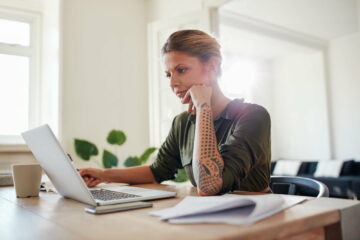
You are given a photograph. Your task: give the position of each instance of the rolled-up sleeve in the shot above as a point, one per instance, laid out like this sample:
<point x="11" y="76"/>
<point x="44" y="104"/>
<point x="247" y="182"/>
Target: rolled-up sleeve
<point x="246" y="153"/>
<point x="168" y="159"/>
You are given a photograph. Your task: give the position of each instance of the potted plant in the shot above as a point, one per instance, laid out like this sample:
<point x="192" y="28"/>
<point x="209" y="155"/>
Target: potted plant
<point x="85" y="150"/>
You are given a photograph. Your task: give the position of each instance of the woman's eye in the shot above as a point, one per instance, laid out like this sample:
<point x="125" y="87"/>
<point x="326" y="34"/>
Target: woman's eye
<point x="181" y="70"/>
<point x="167" y="75"/>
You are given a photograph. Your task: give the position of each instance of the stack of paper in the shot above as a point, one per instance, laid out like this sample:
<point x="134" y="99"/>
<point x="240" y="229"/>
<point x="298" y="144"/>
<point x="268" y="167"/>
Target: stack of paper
<point x="229" y="208"/>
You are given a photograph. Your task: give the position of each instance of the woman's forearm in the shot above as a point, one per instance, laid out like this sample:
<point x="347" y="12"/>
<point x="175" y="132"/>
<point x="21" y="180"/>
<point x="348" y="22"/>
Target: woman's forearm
<point x="133" y="175"/>
<point x="208" y="164"/>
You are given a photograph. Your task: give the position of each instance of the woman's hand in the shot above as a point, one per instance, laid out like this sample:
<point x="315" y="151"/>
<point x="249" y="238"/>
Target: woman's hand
<point x="196" y="96"/>
<point x="93" y="176"/>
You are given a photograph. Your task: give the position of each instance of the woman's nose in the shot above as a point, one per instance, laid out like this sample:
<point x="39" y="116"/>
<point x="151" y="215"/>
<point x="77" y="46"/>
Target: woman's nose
<point x="173" y="82"/>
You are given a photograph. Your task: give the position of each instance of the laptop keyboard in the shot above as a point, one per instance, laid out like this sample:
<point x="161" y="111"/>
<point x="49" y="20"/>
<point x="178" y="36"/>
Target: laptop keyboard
<point x="106" y="195"/>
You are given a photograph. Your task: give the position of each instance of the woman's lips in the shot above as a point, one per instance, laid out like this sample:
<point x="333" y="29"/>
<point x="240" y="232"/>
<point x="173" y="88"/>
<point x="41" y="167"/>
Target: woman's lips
<point x="181" y="94"/>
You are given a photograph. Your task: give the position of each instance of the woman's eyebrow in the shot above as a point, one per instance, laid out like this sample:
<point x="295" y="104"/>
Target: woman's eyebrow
<point x="166" y="71"/>
<point x="179" y="65"/>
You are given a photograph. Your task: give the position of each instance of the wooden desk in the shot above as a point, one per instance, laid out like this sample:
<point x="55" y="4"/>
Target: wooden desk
<point x="53" y="217"/>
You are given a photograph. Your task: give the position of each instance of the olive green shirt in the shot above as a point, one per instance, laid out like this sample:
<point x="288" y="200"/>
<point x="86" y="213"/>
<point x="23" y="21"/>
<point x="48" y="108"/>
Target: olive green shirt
<point x="243" y="137"/>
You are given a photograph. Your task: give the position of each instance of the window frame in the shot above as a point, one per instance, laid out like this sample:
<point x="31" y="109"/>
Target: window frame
<point x="33" y="52"/>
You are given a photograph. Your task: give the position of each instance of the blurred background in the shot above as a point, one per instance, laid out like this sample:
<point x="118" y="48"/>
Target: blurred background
<point x="88" y="66"/>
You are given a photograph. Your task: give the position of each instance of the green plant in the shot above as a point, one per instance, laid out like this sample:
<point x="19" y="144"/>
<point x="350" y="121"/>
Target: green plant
<point x="180" y="176"/>
<point x="85" y="150"/>
<point x="136" y="161"/>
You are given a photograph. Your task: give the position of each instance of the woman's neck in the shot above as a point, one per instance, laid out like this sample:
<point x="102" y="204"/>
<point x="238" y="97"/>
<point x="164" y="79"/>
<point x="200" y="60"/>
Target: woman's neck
<point x="218" y="101"/>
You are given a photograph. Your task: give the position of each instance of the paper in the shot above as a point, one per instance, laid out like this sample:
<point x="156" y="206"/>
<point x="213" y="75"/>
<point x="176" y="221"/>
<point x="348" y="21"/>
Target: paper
<point x="229" y="208"/>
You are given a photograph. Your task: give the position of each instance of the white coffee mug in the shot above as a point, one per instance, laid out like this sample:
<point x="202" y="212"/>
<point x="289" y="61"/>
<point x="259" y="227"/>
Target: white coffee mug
<point x="27" y="178"/>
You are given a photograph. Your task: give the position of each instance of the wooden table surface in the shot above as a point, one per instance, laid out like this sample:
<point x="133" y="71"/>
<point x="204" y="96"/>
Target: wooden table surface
<point x="50" y="216"/>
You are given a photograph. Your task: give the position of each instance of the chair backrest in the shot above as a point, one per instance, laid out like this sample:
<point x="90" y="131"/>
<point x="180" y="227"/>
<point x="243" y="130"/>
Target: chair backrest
<point x="298" y="186"/>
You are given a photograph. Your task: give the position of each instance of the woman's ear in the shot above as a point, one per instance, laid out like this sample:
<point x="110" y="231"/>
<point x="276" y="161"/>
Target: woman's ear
<point x="212" y="65"/>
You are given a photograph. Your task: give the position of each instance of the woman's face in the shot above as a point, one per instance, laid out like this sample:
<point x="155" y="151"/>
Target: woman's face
<point x="184" y="71"/>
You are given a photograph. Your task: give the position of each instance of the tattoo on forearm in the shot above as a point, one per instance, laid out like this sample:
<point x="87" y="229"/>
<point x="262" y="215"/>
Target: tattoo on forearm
<point x="210" y="176"/>
<point x="203" y="105"/>
<point x="210" y="163"/>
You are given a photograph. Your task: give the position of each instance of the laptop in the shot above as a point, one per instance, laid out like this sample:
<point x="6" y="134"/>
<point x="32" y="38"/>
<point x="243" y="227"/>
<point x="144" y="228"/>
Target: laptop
<point x="67" y="180"/>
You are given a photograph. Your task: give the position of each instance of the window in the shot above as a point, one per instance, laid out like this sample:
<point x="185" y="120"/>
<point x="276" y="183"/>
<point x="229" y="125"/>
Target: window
<point x="19" y="74"/>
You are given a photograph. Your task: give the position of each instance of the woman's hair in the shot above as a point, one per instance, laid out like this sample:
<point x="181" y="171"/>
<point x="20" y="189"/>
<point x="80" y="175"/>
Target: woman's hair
<point x="193" y="42"/>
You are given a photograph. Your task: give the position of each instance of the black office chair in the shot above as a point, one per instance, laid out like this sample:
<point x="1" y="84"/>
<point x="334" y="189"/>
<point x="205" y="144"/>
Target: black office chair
<point x="298" y="186"/>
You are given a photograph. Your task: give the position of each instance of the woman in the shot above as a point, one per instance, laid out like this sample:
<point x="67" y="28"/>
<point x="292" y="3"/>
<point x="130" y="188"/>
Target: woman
<point x="223" y="145"/>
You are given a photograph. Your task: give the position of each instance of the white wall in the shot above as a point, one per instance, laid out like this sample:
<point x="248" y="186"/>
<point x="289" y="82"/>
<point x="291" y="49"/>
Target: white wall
<point x="163" y="9"/>
<point x="104" y="75"/>
<point x="325" y="19"/>
<point x="345" y="95"/>
<point x="50" y="61"/>
<point x="263" y="94"/>
<point x="300" y="118"/>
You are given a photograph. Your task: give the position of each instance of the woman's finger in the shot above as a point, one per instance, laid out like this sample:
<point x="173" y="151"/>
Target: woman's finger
<point x="193" y="110"/>
<point x="83" y="172"/>
<point x="93" y="182"/>
<point x="87" y="183"/>
<point x="190" y="107"/>
<point x="97" y="182"/>
<point x="186" y="98"/>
